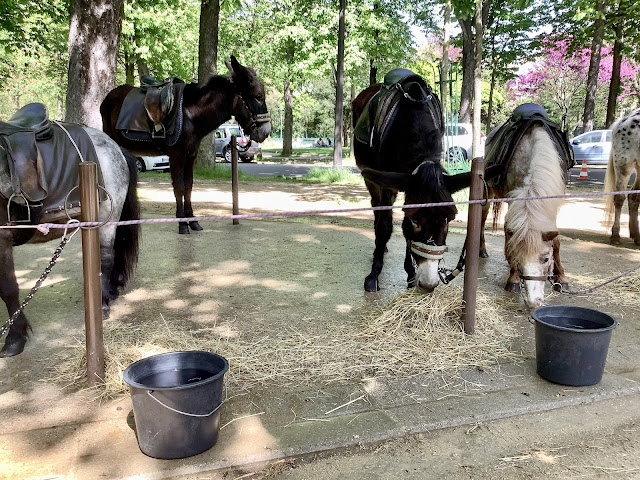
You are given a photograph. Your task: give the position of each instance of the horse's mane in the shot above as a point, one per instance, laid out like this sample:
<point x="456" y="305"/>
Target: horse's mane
<point x="528" y="219"/>
<point x="430" y="175"/>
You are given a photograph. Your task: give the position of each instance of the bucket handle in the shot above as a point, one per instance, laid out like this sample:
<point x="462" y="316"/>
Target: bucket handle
<point x="150" y="393"/>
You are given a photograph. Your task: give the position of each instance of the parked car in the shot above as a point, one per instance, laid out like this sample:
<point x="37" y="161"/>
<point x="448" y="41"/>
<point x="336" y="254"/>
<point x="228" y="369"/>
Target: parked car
<point x="594" y="147"/>
<point x="458" y="141"/>
<point x="246" y="150"/>
<point x="160" y="162"/>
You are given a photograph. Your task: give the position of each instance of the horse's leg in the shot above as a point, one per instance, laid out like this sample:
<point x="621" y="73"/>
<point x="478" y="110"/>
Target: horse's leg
<point x="383" y="226"/>
<point x="10" y="292"/>
<point x="561" y="284"/>
<point x="109" y="286"/>
<point x="188" y="186"/>
<point x="409" y="268"/>
<point x="622" y="179"/>
<point x="513" y="282"/>
<point x="177" y="180"/>
<point x="634" y="200"/>
<point x="483" y="246"/>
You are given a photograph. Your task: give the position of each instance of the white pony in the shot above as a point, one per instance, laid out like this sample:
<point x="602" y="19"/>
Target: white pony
<point x="532" y="246"/>
<point x="624" y="158"/>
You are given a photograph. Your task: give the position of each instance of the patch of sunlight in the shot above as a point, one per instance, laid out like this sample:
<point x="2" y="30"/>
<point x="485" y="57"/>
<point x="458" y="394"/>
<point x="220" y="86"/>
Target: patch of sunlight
<point x="21" y="273"/>
<point x="176" y="304"/>
<point x="51" y="280"/>
<point x="224" y="331"/>
<point x="545" y="457"/>
<point x="306" y="239"/>
<point x="310" y="275"/>
<point x="372" y="386"/>
<point x="208" y="306"/>
<point x="344" y="308"/>
<point x="320" y="295"/>
<point x="143" y="294"/>
<point x="247" y="426"/>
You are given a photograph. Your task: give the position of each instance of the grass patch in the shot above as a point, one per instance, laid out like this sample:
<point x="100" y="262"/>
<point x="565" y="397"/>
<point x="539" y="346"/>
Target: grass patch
<point x="333" y="175"/>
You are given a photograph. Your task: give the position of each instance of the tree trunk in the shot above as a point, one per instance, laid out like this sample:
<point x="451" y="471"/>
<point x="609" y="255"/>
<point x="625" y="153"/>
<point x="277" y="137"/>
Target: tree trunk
<point x="129" y="69"/>
<point x="594" y="67"/>
<point x="444" y="68"/>
<point x="287" y="141"/>
<point x="477" y="80"/>
<point x="207" y="59"/>
<point x="143" y="68"/>
<point x="373" y="72"/>
<point x="94" y="36"/>
<point x="337" y="131"/>
<point x="614" y="86"/>
<point x="468" y="67"/>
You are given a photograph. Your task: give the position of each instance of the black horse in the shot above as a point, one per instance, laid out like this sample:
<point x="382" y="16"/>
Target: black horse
<point x="201" y="109"/>
<point x="398" y="147"/>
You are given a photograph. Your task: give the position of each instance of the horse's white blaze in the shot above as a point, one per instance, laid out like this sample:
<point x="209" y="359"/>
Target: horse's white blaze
<point x="427" y="277"/>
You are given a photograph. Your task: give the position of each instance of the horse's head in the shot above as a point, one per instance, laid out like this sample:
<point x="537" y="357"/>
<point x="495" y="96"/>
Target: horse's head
<point x="250" y="107"/>
<point x="424" y="228"/>
<point x="532" y="255"/>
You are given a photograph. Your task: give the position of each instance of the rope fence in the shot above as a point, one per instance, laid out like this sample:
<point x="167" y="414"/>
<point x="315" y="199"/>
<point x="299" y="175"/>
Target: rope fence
<point x="44" y="227"/>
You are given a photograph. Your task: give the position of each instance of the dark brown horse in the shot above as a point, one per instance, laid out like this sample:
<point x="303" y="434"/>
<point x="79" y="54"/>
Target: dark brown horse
<point x="398" y="147"/>
<point x="204" y="107"/>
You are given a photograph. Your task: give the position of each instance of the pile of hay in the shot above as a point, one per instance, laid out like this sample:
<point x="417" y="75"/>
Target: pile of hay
<point x="412" y="334"/>
<point x="623" y="291"/>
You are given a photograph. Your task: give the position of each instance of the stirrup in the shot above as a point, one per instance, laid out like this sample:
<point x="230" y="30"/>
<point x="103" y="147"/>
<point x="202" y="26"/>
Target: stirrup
<point x="158" y="131"/>
<point x="26" y="204"/>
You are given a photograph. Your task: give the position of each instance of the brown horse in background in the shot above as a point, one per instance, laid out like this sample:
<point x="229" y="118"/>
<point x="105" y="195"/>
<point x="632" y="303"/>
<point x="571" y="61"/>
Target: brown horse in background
<point x="205" y="107"/>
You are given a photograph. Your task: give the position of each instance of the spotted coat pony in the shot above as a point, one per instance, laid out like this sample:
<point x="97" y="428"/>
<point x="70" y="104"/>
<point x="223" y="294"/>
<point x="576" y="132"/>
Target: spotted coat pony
<point x="624" y="159"/>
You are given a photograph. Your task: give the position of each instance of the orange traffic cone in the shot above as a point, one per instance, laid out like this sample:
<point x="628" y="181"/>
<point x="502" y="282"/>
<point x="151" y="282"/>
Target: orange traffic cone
<point x="584" y="175"/>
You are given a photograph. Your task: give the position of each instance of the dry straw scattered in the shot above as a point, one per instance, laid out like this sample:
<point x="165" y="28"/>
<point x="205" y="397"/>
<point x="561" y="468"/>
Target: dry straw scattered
<point x="412" y="334"/>
<point x="624" y="291"/>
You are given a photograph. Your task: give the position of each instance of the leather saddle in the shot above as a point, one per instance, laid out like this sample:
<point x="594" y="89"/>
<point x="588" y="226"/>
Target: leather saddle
<point x="39" y="164"/>
<point x="153" y="110"/>
<point x="373" y="125"/>
<point x="502" y="141"/>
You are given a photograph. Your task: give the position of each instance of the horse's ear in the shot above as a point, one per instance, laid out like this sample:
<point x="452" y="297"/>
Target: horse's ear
<point x="230" y="66"/>
<point x="392" y="180"/>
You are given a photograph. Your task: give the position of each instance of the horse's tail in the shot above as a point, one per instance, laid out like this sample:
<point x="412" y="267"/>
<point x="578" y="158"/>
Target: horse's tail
<point x="610" y="183"/>
<point x="127" y="236"/>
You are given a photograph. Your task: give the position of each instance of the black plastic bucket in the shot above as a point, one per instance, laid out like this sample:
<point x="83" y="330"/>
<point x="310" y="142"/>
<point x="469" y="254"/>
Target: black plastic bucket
<point x="571" y="344"/>
<point x="176" y="400"/>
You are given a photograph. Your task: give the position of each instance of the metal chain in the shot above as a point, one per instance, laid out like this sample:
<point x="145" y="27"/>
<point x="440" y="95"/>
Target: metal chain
<point x="42" y="278"/>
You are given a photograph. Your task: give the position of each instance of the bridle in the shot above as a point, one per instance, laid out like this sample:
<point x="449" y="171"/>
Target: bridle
<point x="254" y="118"/>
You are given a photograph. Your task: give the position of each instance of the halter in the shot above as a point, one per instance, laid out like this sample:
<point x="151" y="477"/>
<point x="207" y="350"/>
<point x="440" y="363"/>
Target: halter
<point x="429" y="250"/>
<point x="255" y="118"/>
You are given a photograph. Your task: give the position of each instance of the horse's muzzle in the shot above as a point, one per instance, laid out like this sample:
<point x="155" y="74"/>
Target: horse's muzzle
<point x="261" y="132"/>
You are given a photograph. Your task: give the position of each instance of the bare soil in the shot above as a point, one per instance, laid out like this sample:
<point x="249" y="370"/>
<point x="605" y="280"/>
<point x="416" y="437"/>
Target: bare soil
<point x="600" y="440"/>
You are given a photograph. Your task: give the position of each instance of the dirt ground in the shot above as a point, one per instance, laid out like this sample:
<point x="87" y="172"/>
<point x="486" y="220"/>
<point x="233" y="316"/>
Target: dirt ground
<point x="590" y="441"/>
<point x="265" y="278"/>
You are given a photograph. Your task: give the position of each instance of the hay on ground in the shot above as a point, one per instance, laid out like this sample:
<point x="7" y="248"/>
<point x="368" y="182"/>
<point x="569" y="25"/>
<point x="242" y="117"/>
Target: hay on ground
<point x="412" y="334"/>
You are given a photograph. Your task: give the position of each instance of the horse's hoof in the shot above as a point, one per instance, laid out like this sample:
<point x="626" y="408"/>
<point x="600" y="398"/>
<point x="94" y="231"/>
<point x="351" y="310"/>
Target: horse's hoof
<point x="183" y="228"/>
<point x="12" y="348"/>
<point x="561" y="287"/>
<point x="371" y="285"/>
<point x="483" y="253"/>
<point x="106" y="312"/>
<point x="195" y="226"/>
<point x="512" y="287"/>
<point x="615" y="240"/>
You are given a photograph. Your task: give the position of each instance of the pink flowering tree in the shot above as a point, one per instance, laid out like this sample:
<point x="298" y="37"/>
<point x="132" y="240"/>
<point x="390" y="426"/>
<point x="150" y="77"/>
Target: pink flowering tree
<point x="558" y="81"/>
